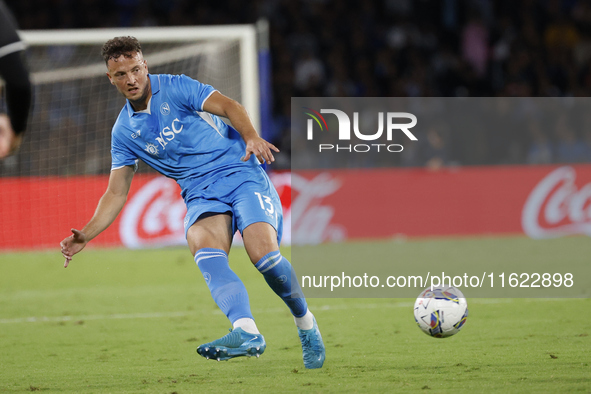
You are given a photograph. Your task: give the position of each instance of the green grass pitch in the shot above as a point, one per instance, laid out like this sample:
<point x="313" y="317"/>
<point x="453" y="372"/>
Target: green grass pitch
<point x="129" y="321"/>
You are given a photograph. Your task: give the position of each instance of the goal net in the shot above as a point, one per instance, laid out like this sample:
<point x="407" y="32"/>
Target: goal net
<point x="67" y="145"/>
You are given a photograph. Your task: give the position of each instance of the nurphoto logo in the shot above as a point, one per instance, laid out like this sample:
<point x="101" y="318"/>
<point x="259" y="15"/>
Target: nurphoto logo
<point x="391" y="120"/>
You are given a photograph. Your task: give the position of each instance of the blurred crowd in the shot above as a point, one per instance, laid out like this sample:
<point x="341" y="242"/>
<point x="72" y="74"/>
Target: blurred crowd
<point x="396" y="48"/>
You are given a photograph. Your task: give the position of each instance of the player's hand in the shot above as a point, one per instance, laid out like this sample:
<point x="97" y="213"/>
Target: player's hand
<point x="72" y="245"/>
<point x="261" y="149"/>
<point x="9" y="141"/>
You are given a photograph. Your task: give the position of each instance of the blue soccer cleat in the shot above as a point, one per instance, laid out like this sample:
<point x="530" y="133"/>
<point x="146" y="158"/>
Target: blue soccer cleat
<point x="313" y="350"/>
<point x="235" y="344"/>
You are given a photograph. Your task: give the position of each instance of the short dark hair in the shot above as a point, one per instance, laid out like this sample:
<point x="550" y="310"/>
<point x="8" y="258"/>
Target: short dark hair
<point x="115" y="47"/>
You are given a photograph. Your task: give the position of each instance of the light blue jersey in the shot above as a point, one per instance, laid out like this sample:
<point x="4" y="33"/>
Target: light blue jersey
<point x="181" y="141"/>
<point x="176" y="137"/>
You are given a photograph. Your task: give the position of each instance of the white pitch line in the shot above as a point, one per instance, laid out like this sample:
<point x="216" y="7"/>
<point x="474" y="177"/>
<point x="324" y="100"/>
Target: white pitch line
<point x="157" y="315"/>
<point x="34" y="319"/>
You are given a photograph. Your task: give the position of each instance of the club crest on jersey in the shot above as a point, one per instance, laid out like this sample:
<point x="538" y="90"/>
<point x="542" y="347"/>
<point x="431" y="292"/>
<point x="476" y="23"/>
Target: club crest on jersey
<point x="151" y="149"/>
<point x="165" y="108"/>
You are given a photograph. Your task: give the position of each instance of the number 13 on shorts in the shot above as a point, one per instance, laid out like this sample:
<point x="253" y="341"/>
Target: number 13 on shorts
<point x="267" y="205"/>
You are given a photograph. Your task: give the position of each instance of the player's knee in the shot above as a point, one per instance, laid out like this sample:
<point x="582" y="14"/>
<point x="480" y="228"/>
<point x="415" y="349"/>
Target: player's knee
<point x="256" y="257"/>
<point x="260" y="239"/>
<point x="204" y="244"/>
<point x="200" y="239"/>
<point x="260" y="248"/>
<point x="211" y="232"/>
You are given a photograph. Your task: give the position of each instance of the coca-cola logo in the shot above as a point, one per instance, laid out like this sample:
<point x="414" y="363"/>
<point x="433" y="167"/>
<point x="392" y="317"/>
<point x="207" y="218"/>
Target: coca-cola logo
<point x="307" y="219"/>
<point x="557" y="206"/>
<point x="311" y="218"/>
<point x="154" y="216"/>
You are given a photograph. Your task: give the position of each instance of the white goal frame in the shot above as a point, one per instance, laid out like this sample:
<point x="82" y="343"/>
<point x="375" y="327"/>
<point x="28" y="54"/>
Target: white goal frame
<point x="245" y="34"/>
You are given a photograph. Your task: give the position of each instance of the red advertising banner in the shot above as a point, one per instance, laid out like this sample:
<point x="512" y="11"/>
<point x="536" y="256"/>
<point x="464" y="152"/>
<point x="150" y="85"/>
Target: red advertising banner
<point x="39" y="212"/>
<point x="319" y="206"/>
<point x="540" y="201"/>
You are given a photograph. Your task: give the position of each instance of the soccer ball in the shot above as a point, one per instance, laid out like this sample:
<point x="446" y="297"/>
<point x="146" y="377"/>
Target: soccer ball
<point x="441" y="312"/>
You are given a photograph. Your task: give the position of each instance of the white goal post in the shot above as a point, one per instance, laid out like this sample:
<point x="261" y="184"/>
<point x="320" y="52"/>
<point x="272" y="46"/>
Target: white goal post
<point x="246" y="35"/>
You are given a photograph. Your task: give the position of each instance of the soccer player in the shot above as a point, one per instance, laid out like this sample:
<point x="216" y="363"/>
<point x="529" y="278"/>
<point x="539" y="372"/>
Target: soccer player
<point x="171" y="122"/>
<point x="17" y="84"/>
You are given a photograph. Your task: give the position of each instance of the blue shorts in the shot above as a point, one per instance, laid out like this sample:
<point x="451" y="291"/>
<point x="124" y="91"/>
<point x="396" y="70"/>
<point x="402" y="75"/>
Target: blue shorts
<point x="248" y="195"/>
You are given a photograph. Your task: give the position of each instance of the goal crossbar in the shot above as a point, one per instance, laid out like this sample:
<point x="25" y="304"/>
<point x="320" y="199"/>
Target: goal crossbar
<point x="245" y="34"/>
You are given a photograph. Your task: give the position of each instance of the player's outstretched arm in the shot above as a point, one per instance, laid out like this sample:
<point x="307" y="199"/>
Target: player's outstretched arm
<point x="107" y="210"/>
<point x="218" y="104"/>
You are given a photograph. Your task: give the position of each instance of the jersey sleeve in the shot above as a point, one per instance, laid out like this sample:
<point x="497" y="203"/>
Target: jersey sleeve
<point x="121" y="155"/>
<point x="193" y="92"/>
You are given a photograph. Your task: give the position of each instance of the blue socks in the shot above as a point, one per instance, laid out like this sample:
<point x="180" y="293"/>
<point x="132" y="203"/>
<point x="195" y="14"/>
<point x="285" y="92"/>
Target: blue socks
<point x="281" y="277"/>
<point x="229" y="292"/>
<point x="226" y="288"/>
